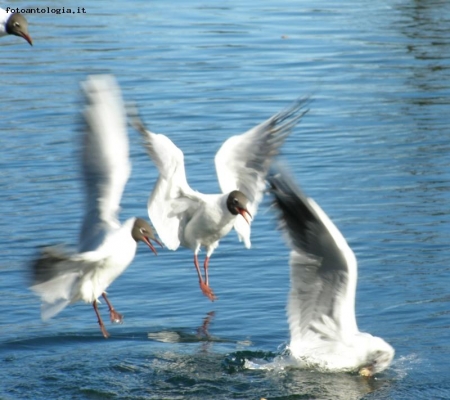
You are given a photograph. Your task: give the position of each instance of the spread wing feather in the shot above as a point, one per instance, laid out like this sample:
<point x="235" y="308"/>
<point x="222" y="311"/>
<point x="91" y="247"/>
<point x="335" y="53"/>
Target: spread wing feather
<point x="243" y="161"/>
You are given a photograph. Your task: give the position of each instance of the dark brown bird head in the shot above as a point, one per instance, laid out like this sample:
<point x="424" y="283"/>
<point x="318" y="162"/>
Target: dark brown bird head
<point x="142" y="231"/>
<point x="237" y="204"/>
<point x="18" y="25"/>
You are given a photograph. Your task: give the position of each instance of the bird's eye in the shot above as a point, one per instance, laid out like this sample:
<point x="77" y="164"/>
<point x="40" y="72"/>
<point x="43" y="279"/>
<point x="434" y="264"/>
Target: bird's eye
<point x="16" y="24"/>
<point x="142" y="230"/>
<point x="235" y="201"/>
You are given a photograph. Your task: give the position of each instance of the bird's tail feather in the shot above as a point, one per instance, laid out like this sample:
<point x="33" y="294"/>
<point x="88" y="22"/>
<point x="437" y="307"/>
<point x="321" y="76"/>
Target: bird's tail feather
<point x="55" y="278"/>
<point x="55" y="294"/>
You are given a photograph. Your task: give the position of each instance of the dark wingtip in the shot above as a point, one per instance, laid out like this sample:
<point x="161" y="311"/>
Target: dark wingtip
<point x="280" y="180"/>
<point x="134" y="119"/>
<point x="288" y="197"/>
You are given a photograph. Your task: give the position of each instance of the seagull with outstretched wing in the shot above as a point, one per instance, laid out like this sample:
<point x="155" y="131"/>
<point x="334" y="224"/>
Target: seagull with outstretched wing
<point x="183" y="216"/>
<point x="321" y="304"/>
<point x="105" y="247"/>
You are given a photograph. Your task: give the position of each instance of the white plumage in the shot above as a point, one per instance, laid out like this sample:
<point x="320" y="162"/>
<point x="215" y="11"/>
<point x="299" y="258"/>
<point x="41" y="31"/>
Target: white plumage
<point x="106" y="247"/>
<point x="321" y="304"/>
<point x="183" y="216"/>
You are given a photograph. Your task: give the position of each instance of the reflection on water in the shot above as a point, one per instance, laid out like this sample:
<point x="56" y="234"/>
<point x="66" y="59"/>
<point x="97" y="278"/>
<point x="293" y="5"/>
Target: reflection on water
<point x="203" y="331"/>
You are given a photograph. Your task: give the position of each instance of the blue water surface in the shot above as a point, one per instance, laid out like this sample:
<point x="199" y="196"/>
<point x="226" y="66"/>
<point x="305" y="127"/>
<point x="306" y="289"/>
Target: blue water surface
<point x="374" y="152"/>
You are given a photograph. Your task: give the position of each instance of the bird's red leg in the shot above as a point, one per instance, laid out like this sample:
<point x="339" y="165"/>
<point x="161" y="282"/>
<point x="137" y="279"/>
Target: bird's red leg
<point x="100" y="322"/>
<point x="206" y="290"/>
<point x="200" y="278"/>
<point x="116" y="317"/>
<point x="205" y="268"/>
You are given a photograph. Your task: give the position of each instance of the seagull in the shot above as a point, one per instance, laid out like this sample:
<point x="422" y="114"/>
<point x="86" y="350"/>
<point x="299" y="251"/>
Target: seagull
<point x="14" y="24"/>
<point x="321" y="303"/>
<point x="105" y="247"/>
<point x="183" y="216"/>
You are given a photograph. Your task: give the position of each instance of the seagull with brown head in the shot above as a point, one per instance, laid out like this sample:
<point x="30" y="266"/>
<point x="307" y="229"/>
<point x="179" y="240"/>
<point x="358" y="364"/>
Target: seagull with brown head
<point x="185" y="217"/>
<point x="106" y="247"/>
<point x="14" y="23"/>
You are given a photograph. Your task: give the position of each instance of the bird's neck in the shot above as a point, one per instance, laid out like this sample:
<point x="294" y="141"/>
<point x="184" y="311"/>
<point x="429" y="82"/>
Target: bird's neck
<point x="4" y="16"/>
<point x="128" y="225"/>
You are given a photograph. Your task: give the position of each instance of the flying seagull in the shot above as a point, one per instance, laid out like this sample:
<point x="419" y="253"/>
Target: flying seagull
<point x="105" y="247"/>
<point x="183" y="216"/>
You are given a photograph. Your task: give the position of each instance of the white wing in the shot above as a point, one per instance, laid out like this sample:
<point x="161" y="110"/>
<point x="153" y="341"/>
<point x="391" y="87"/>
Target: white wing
<point x="323" y="268"/>
<point x="106" y="166"/>
<point x="172" y="201"/>
<point x="243" y="161"/>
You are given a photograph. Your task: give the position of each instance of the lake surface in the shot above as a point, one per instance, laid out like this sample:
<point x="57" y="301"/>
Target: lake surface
<point x="374" y="152"/>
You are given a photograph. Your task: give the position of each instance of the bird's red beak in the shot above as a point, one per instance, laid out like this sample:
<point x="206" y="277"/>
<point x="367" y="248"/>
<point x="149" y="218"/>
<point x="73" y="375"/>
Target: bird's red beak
<point x="245" y="214"/>
<point x="149" y="244"/>
<point x="27" y="38"/>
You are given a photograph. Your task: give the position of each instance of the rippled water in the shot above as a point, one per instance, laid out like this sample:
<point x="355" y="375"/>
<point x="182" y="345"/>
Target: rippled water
<point x="373" y="152"/>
